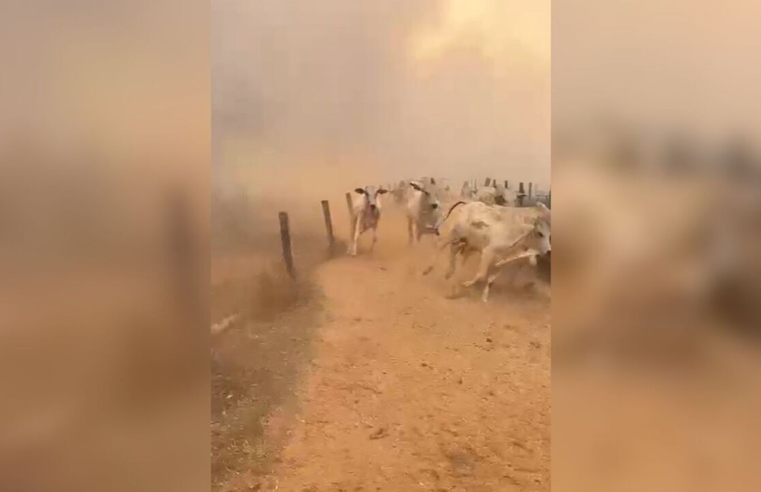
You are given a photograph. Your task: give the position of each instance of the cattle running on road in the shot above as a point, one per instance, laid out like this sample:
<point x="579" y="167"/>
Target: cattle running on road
<point x="366" y="211"/>
<point x="501" y="234"/>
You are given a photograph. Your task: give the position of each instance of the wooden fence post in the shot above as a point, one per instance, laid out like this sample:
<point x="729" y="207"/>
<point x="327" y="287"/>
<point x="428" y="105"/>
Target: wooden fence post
<point x="506" y="185"/>
<point x="530" y="191"/>
<point x="521" y="194"/>
<point x="350" y="207"/>
<point x="285" y="238"/>
<point x="487" y="181"/>
<point x="329" y="226"/>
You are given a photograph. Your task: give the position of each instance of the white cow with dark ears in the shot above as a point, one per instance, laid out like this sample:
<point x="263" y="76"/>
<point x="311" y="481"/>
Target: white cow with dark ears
<point x="423" y="211"/>
<point x="367" y="213"/>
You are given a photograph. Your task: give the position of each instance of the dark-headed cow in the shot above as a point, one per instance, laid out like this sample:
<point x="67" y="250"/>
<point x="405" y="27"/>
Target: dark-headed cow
<point x="501" y="234"/>
<point x="367" y="213"/>
<point x="423" y="211"/>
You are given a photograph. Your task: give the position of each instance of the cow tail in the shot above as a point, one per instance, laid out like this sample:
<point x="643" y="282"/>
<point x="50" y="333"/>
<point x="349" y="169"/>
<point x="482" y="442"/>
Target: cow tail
<point x="451" y="209"/>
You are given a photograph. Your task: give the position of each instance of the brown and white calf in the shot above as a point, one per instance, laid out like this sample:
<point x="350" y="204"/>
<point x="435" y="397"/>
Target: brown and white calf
<point x="366" y="212"/>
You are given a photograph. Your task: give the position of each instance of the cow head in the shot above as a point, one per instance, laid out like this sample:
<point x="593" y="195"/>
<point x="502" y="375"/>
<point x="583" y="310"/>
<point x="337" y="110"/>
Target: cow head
<point x="371" y="194"/>
<point x="504" y="196"/>
<point x="429" y="201"/>
<point x="541" y="234"/>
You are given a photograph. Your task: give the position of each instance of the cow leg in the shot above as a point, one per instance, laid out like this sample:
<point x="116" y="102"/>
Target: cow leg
<point x="375" y="239"/>
<point x="490" y="280"/>
<point x="418" y="232"/>
<point x="465" y="254"/>
<point x="487" y="258"/>
<point x="498" y="271"/>
<point x="440" y="246"/>
<point x="353" y="247"/>
<point x="410" y="230"/>
<point x="513" y="257"/>
<point x="454" y="248"/>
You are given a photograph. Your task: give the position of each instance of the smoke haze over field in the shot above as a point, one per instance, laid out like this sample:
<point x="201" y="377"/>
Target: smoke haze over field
<point x="379" y="90"/>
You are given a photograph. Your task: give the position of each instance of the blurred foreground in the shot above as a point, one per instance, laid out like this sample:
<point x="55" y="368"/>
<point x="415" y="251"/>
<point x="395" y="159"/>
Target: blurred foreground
<point x="104" y="326"/>
<point x="657" y="313"/>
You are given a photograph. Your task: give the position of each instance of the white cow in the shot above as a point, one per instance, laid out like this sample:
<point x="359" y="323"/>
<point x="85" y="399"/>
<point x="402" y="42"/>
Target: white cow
<point x="498" y="195"/>
<point x="423" y="211"/>
<point x="366" y="212"/>
<point x="466" y="191"/>
<point x="501" y="234"/>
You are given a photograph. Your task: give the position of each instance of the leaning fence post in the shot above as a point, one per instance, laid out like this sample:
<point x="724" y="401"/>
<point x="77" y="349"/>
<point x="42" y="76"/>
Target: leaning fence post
<point x="328" y="225"/>
<point x="285" y="238"/>
<point x="350" y="206"/>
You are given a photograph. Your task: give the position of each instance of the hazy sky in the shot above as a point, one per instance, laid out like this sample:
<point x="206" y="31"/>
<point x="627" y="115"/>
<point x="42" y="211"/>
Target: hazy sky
<point x="389" y="88"/>
<point x="678" y="64"/>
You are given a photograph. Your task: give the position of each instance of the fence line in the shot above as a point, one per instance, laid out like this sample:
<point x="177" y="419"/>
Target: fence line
<point x="524" y="200"/>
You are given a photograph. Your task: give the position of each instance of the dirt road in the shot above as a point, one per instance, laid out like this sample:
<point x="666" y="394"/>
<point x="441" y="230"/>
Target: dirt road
<point x="406" y="390"/>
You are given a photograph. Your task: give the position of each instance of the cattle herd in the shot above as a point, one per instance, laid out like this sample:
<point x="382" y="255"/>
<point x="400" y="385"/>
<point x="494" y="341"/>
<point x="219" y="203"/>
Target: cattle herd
<point x="493" y="221"/>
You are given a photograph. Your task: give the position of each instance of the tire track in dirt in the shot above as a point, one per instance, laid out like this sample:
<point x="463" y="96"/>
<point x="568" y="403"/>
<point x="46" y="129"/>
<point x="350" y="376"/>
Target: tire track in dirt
<point x="408" y="390"/>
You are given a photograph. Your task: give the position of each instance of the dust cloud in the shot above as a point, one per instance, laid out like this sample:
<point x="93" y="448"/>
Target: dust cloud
<point x="338" y="94"/>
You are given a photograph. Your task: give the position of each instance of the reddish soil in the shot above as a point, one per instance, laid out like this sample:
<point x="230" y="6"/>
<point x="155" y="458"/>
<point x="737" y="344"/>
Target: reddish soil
<point x="375" y="380"/>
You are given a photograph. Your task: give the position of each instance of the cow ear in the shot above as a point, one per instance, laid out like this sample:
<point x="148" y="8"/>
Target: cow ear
<point x="359" y="190"/>
<point x="382" y="191"/>
<point x="414" y="185"/>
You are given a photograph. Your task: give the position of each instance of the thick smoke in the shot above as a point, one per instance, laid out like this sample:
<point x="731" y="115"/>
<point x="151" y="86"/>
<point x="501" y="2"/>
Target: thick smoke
<point x="337" y="85"/>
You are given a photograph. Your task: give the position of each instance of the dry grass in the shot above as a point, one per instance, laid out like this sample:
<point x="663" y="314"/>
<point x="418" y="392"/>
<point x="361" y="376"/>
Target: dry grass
<point x="254" y="368"/>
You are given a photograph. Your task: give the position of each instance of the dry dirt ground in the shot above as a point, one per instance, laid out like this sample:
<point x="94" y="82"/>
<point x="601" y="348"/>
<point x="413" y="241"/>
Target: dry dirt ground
<point x="374" y="380"/>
